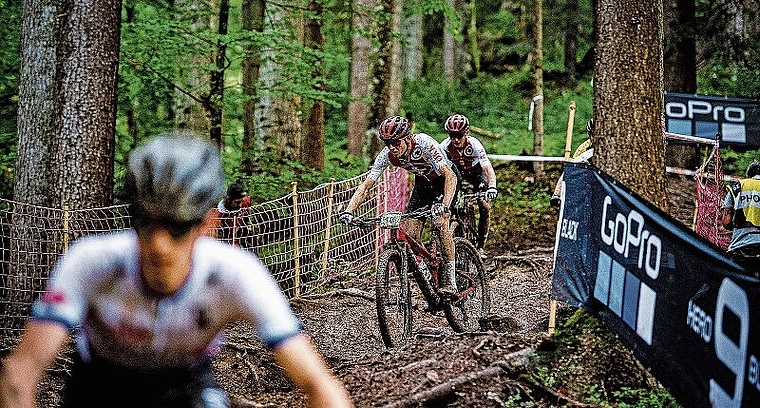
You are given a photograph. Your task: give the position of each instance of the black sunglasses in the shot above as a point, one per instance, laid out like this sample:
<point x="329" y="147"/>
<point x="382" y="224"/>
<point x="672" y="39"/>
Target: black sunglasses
<point x="456" y="135"/>
<point x="176" y="229"/>
<point x="394" y="142"/>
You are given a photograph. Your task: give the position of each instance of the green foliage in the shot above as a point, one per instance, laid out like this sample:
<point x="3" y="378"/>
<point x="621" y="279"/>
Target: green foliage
<point x="638" y="398"/>
<point x="495" y="104"/>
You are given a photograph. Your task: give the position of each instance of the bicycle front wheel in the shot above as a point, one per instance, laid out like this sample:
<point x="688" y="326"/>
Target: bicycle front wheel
<point x="465" y="313"/>
<point x="394" y="307"/>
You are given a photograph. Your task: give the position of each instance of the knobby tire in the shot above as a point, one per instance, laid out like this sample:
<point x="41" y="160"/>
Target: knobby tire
<point x="392" y="297"/>
<point x="465" y="314"/>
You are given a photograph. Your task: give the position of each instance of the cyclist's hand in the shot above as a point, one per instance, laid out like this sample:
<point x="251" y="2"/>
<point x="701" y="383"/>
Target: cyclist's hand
<point x="345" y="217"/>
<point x="437" y="210"/>
<point x="491" y="193"/>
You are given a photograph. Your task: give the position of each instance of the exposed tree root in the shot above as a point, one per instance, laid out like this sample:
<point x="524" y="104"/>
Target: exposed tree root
<point x="339" y="292"/>
<point x="514" y="363"/>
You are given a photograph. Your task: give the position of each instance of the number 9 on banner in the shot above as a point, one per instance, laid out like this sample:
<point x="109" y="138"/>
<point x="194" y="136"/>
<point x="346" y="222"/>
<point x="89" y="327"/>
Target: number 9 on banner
<point x="730" y="296"/>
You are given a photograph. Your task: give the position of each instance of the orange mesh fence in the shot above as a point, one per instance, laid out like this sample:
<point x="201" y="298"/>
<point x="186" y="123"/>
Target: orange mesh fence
<point x="296" y="236"/>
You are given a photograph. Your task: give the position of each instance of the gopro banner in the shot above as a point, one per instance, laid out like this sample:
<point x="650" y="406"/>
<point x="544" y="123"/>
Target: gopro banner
<point x="737" y="120"/>
<point x="688" y="312"/>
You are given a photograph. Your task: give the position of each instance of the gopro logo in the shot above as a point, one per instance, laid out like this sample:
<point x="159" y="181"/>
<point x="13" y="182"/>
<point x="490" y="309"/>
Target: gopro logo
<point x="703" y="119"/>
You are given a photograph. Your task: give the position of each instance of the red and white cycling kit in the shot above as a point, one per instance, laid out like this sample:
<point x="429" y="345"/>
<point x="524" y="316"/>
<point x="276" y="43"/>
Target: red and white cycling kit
<point x="425" y="160"/>
<point x="472" y="154"/>
<point x="97" y="287"/>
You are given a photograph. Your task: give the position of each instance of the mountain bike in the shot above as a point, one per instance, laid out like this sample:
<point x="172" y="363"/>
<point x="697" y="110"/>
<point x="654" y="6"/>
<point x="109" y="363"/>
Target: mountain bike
<point x="403" y="256"/>
<point x="462" y="223"/>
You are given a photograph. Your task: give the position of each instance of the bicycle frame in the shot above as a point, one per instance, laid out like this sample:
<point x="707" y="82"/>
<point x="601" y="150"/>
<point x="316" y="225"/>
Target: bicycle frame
<point x="411" y="248"/>
<point x="401" y="257"/>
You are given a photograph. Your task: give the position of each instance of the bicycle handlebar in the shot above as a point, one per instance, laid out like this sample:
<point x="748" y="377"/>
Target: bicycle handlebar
<point x="365" y="222"/>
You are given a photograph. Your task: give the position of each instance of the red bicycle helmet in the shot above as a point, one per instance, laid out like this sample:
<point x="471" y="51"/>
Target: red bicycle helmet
<point x="395" y="128"/>
<point x="457" y="124"/>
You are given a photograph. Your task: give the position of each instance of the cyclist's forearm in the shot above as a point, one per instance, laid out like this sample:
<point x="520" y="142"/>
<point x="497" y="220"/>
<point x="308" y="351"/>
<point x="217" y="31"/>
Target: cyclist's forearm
<point x="449" y="186"/>
<point x="17" y="385"/>
<point x="359" y="196"/>
<point x="490" y="175"/>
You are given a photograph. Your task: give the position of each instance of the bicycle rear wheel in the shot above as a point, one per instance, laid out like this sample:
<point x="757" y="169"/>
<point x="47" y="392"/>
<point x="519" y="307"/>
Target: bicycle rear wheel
<point x="466" y="312"/>
<point x="394" y="307"/>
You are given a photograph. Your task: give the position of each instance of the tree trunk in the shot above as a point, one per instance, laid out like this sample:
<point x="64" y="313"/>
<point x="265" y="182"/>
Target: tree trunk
<point x="571" y="40"/>
<point x="449" y="47"/>
<point x="538" y="86"/>
<point x="66" y="122"/>
<point x="628" y="96"/>
<point x="83" y="149"/>
<point x="412" y="47"/>
<point x="387" y="91"/>
<point x="215" y="102"/>
<point x="253" y="20"/>
<point x="278" y="118"/>
<point x="189" y="110"/>
<point x="680" y="69"/>
<point x="361" y="85"/>
<point x="472" y="36"/>
<point x="313" y="153"/>
<point x="39" y="31"/>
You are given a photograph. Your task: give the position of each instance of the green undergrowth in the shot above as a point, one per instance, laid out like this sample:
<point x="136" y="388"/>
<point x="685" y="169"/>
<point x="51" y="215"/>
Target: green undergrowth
<point x="589" y="364"/>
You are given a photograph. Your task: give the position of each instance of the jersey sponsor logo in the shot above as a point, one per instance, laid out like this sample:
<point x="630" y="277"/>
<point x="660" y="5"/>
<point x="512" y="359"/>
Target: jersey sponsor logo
<point x="55" y="297"/>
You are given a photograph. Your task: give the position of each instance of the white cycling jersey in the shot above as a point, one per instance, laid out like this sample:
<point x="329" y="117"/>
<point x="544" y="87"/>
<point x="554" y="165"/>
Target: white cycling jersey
<point x="425" y="159"/>
<point x="470" y="155"/>
<point x="97" y="287"/>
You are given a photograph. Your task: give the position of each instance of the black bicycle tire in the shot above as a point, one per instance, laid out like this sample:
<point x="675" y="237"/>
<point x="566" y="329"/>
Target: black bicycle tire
<point x="457" y="228"/>
<point x="478" y="304"/>
<point x="391" y="336"/>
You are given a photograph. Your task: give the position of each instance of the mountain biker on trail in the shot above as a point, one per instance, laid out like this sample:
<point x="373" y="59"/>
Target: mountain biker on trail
<point x="469" y="156"/>
<point x="150" y="303"/>
<point x="436" y="182"/>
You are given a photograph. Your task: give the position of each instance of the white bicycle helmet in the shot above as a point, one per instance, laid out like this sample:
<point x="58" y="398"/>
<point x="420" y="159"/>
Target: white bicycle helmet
<point x="176" y="176"/>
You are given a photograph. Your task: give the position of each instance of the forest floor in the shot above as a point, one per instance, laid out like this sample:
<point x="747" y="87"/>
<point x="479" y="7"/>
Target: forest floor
<point x="512" y="362"/>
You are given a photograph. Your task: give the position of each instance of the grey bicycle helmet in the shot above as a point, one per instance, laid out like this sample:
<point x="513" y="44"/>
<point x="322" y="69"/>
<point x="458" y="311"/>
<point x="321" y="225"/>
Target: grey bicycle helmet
<point x="177" y="177"/>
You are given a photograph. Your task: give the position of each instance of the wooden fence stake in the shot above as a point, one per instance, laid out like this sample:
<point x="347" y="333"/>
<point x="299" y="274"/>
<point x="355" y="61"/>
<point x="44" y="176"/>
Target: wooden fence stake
<point x="296" y="243"/>
<point x="568" y="145"/>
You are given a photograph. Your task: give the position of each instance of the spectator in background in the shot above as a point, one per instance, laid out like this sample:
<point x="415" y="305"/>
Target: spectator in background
<point x="469" y="156"/>
<point x="150" y="304"/>
<point x="232" y="213"/>
<point x="741" y="214"/>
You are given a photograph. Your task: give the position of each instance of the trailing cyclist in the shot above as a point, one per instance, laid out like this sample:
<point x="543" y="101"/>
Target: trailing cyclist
<point x="436" y="182"/>
<point x="469" y="157"/>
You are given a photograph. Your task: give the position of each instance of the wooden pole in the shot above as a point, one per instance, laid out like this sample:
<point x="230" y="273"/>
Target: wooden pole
<point x="570" y="124"/>
<point x="330" y="201"/>
<point x="296" y="244"/>
<point x="568" y="145"/>
<point x="66" y="216"/>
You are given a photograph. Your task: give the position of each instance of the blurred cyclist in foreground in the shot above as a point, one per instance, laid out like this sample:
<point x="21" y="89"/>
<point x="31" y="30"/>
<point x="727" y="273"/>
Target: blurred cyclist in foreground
<point x="151" y="303"/>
